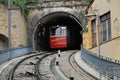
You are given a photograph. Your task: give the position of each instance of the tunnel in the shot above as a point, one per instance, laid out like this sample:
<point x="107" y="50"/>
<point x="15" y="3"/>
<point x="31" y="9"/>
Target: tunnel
<point x="42" y="33"/>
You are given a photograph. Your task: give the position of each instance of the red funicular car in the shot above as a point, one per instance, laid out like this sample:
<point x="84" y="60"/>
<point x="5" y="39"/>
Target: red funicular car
<point x="58" y="38"/>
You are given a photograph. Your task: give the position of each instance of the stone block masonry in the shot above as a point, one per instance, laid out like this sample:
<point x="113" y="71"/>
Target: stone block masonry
<point x="18" y="26"/>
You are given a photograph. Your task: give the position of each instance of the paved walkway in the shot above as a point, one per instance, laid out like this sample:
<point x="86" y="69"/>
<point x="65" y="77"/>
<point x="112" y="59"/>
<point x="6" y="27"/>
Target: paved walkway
<point x="66" y="67"/>
<point x="85" y="66"/>
<point x="88" y="68"/>
<point x="68" y="71"/>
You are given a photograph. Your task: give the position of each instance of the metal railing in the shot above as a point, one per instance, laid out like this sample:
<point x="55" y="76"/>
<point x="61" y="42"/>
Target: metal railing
<point x="105" y="65"/>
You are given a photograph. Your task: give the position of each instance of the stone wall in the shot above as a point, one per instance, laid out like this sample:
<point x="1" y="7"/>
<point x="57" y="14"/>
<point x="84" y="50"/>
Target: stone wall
<point x="18" y="26"/>
<point x="49" y="7"/>
<point x="87" y="37"/>
<point x="21" y="32"/>
<point x="3" y="20"/>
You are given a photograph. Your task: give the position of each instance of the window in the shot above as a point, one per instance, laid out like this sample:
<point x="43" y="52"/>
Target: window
<point x="105" y="32"/>
<point x="94" y="33"/>
<point x="61" y="31"/>
<point x="105" y="27"/>
<point x="58" y="31"/>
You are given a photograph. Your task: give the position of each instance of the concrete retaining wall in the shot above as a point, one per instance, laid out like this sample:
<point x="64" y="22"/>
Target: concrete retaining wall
<point x="9" y="54"/>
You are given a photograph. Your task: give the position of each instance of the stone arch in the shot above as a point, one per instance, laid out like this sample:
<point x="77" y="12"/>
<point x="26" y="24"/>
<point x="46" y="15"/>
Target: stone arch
<point x="39" y="14"/>
<point x="34" y="21"/>
<point x="3" y="42"/>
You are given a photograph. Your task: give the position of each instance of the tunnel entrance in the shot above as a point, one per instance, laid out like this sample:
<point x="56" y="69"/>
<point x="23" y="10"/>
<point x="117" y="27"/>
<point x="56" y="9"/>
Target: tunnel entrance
<point x="42" y="33"/>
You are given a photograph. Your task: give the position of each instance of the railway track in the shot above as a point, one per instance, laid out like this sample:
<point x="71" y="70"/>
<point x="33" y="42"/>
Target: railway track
<point x="29" y="72"/>
<point x="80" y="71"/>
<point x="70" y="68"/>
<point x="27" y="68"/>
<point x="5" y="73"/>
<point x="42" y="68"/>
<point x="37" y="67"/>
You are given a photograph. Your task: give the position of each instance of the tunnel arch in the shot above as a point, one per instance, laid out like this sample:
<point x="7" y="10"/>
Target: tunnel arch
<point x="3" y="42"/>
<point x="67" y="14"/>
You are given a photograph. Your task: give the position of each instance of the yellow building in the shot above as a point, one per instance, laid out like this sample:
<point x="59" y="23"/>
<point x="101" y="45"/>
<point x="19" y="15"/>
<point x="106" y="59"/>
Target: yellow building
<point x="109" y="28"/>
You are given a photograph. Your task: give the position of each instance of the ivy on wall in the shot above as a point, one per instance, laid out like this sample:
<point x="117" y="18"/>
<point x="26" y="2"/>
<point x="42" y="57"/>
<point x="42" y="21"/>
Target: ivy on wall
<point x="84" y="31"/>
<point x="88" y="1"/>
<point x="5" y="2"/>
<point x="22" y="4"/>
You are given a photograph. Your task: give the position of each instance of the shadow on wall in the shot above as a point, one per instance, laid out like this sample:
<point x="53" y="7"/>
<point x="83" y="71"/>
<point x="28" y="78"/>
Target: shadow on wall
<point x="3" y="42"/>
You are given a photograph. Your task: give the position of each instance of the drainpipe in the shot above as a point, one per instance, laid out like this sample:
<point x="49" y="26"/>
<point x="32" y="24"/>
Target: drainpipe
<point x="97" y="29"/>
<point x="9" y="23"/>
<point x="98" y="38"/>
<point x="9" y="26"/>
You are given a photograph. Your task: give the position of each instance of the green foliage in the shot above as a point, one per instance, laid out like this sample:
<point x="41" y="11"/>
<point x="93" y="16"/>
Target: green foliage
<point x="88" y="1"/>
<point x="5" y="2"/>
<point x="22" y="4"/>
<point x="84" y="31"/>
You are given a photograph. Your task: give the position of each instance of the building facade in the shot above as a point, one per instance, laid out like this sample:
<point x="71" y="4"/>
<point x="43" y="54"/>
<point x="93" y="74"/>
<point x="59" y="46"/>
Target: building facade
<point x="109" y="28"/>
<point x="23" y="32"/>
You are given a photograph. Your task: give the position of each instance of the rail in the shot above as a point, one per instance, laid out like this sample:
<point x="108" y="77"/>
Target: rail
<point x="37" y="72"/>
<point x="78" y="69"/>
<point x="105" y="65"/>
<point x="10" y="76"/>
<point x="38" y="75"/>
